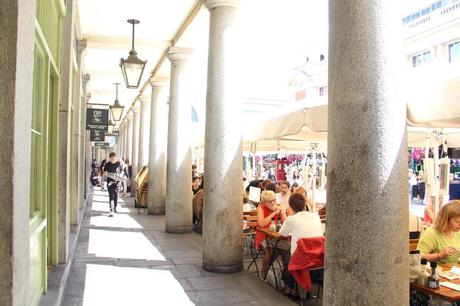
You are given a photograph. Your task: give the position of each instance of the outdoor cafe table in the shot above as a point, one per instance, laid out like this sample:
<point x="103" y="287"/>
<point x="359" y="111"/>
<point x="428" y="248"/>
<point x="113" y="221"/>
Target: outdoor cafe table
<point x="442" y="292"/>
<point x="277" y="237"/>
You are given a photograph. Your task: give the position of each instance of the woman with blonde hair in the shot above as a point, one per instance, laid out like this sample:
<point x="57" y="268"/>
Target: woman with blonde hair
<point x="441" y="242"/>
<point x="267" y="211"/>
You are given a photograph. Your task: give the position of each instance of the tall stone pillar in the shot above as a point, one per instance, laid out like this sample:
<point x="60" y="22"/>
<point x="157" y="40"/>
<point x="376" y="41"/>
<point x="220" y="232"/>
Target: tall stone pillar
<point x="157" y="150"/>
<point x="65" y="134"/>
<point x="129" y="138"/>
<point x="223" y="157"/>
<point x="80" y="133"/>
<point x="367" y="215"/>
<point x="135" y="153"/>
<point x="125" y="137"/>
<point x="179" y="163"/>
<point x="144" y="131"/>
<point x="16" y="82"/>
<point x="120" y="141"/>
<point x="122" y="134"/>
<point x="88" y="145"/>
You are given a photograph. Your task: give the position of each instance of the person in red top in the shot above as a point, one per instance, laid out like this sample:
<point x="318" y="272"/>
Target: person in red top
<point x="267" y="211"/>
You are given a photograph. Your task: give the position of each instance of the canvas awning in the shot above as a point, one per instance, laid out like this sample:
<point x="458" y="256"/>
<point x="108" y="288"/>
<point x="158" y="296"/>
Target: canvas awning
<point x="433" y="101"/>
<point x="295" y="131"/>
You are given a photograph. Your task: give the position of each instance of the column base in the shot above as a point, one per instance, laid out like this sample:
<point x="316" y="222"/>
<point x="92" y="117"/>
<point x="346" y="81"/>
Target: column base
<point x="157" y="211"/>
<point x="223" y="269"/>
<point x="178" y="229"/>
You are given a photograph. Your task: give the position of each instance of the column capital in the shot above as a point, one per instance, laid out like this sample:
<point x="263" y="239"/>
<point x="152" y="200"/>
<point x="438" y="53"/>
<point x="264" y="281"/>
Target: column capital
<point x="176" y="53"/>
<point x="144" y="99"/>
<point x="210" y="4"/>
<point x="86" y="78"/>
<point x="81" y="45"/>
<point x="159" y="81"/>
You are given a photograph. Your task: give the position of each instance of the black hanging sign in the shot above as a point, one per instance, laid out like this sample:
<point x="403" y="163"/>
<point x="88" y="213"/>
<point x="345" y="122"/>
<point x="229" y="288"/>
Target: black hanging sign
<point x="102" y="144"/>
<point x="96" y="135"/>
<point x="97" y="119"/>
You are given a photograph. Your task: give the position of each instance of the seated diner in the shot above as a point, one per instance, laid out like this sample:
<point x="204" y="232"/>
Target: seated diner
<point x="267" y="211"/>
<point x="301" y="224"/>
<point x="441" y="241"/>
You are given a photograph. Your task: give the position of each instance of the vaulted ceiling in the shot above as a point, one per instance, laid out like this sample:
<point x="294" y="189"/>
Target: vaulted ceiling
<point x="277" y="36"/>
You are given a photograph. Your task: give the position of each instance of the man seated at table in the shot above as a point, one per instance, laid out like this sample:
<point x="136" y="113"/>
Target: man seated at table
<point x="441" y="242"/>
<point x="302" y="224"/>
<point x="267" y="211"/>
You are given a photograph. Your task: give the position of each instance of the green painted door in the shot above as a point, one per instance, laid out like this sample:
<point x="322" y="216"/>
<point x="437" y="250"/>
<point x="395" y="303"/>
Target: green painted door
<point x="38" y="194"/>
<point x="43" y="224"/>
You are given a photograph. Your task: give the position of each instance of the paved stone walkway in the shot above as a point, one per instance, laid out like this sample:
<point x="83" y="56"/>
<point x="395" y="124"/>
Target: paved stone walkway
<point x="128" y="259"/>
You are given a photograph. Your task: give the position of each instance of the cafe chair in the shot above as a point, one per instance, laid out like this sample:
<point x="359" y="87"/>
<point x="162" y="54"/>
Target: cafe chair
<point x="413" y="243"/>
<point x="249" y="235"/>
<point x="317" y="278"/>
<point x="307" y="264"/>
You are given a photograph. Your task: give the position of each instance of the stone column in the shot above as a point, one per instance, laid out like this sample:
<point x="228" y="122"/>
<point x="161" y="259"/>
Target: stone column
<point x="179" y="164"/>
<point x="80" y="132"/>
<point x="16" y="81"/>
<point x="65" y="133"/>
<point x="144" y="131"/>
<point x="367" y="215"/>
<point x="135" y="146"/>
<point x="87" y="144"/>
<point x="157" y="150"/>
<point x="120" y="141"/>
<point x="126" y="137"/>
<point x="129" y="137"/>
<point x="223" y="162"/>
<point x="123" y="137"/>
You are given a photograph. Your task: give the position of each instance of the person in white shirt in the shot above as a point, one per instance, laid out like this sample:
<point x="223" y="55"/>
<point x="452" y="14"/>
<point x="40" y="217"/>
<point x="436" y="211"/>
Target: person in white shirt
<point x="282" y="198"/>
<point x="303" y="224"/>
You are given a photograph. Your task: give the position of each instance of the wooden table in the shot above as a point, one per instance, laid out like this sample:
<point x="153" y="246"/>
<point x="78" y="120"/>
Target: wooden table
<point x="442" y="292"/>
<point x="274" y="252"/>
<point x="269" y="234"/>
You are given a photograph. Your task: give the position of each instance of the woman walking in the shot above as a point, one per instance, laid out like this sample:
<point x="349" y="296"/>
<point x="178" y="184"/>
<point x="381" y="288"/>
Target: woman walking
<point x="113" y="167"/>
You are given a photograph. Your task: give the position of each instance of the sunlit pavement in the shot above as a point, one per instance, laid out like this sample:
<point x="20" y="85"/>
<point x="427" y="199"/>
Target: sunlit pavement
<point x="128" y="259"/>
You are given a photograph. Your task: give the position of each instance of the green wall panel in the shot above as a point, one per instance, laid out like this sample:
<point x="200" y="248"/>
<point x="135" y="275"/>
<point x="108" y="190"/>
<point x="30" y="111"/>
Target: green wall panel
<point x="44" y="148"/>
<point x="49" y="14"/>
<point x="37" y="251"/>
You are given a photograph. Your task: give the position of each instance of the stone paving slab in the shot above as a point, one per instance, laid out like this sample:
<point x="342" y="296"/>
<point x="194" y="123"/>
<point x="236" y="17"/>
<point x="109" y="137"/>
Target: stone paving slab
<point x="176" y="277"/>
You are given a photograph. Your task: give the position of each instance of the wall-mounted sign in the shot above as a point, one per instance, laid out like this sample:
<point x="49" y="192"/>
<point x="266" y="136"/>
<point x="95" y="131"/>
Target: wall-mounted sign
<point x="102" y="144"/>
<point x="97" y="119"/>
<point x="115" y="134"/>
<point x="96" y="135"/>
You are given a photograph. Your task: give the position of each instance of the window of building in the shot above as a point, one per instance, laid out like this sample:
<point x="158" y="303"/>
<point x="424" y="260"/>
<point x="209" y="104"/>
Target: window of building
<point x="454" y="52"/>
<point x="322" y="91"/>
<point x="421" y="58"/>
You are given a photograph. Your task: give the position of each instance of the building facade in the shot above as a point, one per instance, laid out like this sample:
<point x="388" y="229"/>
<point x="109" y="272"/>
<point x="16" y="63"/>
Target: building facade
<point x="44" y="143"/>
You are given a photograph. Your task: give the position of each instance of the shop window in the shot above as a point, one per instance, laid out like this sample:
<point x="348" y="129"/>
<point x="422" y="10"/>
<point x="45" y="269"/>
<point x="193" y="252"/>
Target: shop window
<point x="322" y="91"/>
<point x="421" y="58"/>
<point x="454" y="52"/>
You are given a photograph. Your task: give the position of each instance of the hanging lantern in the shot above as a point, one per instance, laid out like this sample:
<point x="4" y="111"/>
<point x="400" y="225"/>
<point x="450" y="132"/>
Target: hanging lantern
<point x="111" y="126"/>
<point x="116" y="109"/>
<point x="132" y="67"/>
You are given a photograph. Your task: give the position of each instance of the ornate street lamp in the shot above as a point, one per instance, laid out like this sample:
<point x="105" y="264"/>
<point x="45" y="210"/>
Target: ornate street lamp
<point x="132" y="67"/>
<point x="116" y="109"/>
<point x="111" y="126"/>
